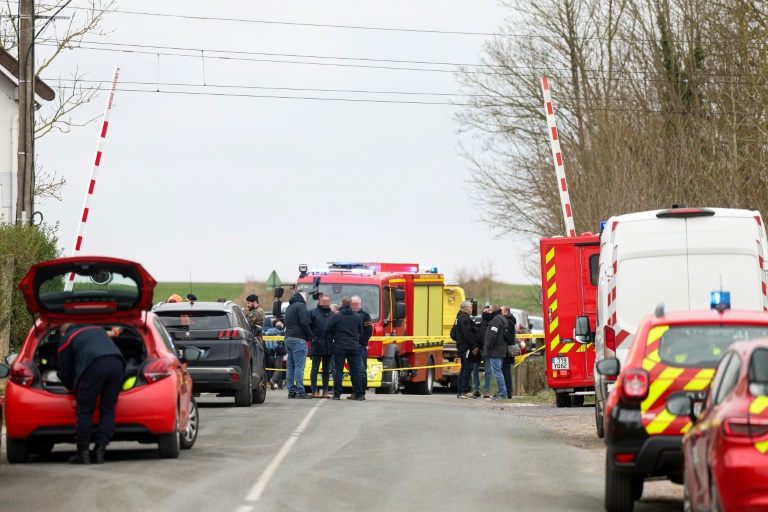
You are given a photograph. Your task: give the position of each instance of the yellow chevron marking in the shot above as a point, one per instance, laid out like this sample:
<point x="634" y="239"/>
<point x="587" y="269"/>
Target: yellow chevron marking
<point x="555" y="342"/>
<point x="567" y="347"/>
<point x="762" y="446"/>
<point x="550" y="255"/>
<point x="654" y="356"/>
<point x="553" y="325"/>
<point x="658" y="387"/>
<point x="648" y="364"/>
<point x="671" y="373"/>
<point x="553" y="306"/>
<point x="552" y="289"/>
<point x="700" y="381"/>
<point x="686" y="427"/>
<point x="758" y="405"/>
<point x="551" y="273"/>
<point x="582" y="348"/>
<point x="660" y="423"/>
<point x="656" y="333"/>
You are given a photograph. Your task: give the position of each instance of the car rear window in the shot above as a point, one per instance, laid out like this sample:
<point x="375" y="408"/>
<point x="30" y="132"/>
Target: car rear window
<point x="758" y="372"/>
<point x="93" y="285"/>
<point x="702" y="346"/>
<point x="195" y="320"/>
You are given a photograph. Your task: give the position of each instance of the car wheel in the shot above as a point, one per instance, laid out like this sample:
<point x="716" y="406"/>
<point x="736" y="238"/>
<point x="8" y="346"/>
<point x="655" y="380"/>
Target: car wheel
<point x="619" y="490"/>
<point x="562" y="399"/>
<point x="260" y="393"/>
<point x="687" y="505"/>
<point x="188" y="437"/>
<point x="40" y="448"/>
<point x="638" y="482"/>
<point x="714" y="496"/>
<point x="17" y="450"/>
<point x="168" y="445"/>
<point x="599" y="422"/>
<point x="425" y="387"/>
<point x="243" y="396"/>
<point x="394" y="384"/>
<point x="577" y="401"/>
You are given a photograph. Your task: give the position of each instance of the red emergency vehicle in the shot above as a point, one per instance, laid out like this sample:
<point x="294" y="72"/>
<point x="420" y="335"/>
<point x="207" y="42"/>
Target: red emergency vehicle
<point x="405" y="305"/>
<point x="569" y="269"/>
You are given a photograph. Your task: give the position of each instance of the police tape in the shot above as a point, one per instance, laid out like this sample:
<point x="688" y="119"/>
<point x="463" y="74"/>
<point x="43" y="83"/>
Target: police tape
<point x="520" y="359"/>
<point x="412" y="338"/>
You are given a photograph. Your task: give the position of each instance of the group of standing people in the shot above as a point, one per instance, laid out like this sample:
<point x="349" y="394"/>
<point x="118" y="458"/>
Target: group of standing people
<point x="334" y="339"/>
<point x="486" y="343"/>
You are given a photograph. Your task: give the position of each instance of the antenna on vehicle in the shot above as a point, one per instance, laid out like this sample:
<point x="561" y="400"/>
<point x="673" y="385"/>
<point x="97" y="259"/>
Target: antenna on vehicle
<point x="190" y="281"/>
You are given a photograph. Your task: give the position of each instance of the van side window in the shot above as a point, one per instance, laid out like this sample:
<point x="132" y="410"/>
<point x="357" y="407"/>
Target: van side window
<point x="594" y="269"/>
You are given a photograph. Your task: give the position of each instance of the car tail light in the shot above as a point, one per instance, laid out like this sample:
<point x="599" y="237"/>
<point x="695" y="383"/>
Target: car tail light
<point x="745" y="427"/>
<point x="563" y="374"/>
<point x="23" y="374"/>
<point x="634" y="386"/>
<point x="610" y="338"/>
<point x="231" y="334"/>
<point x="156" y="369"/>
<point x="624" y="458"/>
<point x="684" y="212"/>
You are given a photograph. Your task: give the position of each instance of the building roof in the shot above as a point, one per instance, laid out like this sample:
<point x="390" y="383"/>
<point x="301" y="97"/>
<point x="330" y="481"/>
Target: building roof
<point x="9" y="69"/>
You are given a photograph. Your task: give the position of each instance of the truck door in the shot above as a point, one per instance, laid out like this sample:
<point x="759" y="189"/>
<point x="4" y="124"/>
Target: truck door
<point x="589" y="256"/>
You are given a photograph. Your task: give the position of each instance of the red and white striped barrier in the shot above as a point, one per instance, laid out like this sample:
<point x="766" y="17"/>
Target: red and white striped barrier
<point x="94" y="173"/>
<point x="570" y="229"/>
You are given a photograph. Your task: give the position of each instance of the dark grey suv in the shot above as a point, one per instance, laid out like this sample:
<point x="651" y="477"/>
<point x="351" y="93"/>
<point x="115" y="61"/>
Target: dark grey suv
<point x="232" y="359"/>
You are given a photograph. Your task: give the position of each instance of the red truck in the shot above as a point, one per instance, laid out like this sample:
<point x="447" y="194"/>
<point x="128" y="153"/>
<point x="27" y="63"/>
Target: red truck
<point x="569" y="272"/>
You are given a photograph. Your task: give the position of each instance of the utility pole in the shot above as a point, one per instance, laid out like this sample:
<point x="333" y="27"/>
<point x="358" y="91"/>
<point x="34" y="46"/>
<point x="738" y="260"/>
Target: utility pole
<point x="25" y="200"/>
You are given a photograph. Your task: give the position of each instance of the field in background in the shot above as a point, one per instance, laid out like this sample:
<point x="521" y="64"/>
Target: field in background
<point x="518" y="296"/>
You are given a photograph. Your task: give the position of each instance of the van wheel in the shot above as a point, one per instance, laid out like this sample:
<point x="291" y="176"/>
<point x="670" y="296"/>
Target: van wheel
<point x="243" y="396"/>
<point x="599" y="422"/>
<point x="620" y="489"/>
<point x="562" y="399"/>
<point x="577" y="400"/>
<point x="17" y="451"/>
<point x="168" y="445"/>
<point x="189" y="436"/>
<point x="260" y="393"/>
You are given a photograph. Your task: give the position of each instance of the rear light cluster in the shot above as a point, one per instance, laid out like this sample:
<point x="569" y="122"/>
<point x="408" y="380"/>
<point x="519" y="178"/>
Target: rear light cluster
<point x="610" y="338"/>
<point x="157" y="369"/>
<point x="231" y="334"/>
<point x="23" y="374"/>
<point x="634" y="385"/>
<point x="746" y="427"/>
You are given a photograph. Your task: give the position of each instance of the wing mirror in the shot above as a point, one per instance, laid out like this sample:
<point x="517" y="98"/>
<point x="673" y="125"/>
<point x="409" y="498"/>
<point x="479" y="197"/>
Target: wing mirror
<point x="681" y="405"/>
<point x="277" y="307"/>
<point x="582" y="331"/>
<point x="610" y="367"/>
<point x="10" y="358"/>
<point x="191" y="354"/>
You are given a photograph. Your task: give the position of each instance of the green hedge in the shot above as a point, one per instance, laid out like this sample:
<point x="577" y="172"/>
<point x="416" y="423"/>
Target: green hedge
<point x="27" y="245"/>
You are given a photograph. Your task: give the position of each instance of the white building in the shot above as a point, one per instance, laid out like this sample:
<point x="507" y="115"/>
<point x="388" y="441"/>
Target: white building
<point x="9" y="130"/>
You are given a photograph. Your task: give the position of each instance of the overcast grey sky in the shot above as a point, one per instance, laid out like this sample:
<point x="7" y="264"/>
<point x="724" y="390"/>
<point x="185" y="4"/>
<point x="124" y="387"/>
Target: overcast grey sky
<point x="230" y="187"/>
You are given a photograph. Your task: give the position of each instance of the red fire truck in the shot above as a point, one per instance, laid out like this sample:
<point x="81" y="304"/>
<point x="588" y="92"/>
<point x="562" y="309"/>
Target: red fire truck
<point x="405" y="306"/>
<point x="569" y="271"/>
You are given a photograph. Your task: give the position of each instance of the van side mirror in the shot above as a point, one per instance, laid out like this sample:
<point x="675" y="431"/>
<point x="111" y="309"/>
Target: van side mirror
<point x="582" y="331"/>
<point x="277" y="307"/>
<point x="399" y="311"/>
<point x="608" y="367"/>
<point x="278" y="292"/>
<point x="400" y="295"/>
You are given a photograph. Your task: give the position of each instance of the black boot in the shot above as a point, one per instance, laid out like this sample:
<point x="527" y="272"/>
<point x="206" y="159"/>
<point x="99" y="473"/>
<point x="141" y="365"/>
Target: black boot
<point x="81" y="456"/>
<point x="98" y="453"/>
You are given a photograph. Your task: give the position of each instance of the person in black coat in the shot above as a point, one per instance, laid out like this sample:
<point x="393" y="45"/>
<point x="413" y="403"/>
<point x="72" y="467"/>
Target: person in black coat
<point x="465" y="345"/>
<point x="509" y="361"/>
<point x="485" y="320"/>
<point x="297" y="333"/>
<point x="495" y="347"/>
<point x="320" y="349"/>
<point x="345" y="329"/>
<point x="362" y="352"/>
<point x="90" y="365"/>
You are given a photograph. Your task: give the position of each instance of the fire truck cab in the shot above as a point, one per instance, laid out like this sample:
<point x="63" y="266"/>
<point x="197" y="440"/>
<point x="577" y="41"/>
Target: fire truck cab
<point x="569" y="290"/>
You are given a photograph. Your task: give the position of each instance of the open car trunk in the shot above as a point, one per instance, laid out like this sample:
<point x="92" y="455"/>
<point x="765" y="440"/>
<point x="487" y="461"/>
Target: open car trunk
<point x="130" y="343"/>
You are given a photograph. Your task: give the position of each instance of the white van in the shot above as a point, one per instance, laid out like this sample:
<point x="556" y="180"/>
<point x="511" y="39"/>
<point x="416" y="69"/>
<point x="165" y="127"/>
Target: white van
<point x="676" y="257"/>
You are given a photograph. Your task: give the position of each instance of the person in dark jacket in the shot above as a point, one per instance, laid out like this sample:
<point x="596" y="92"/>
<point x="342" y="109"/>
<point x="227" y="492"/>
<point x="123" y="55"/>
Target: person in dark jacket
<point x="362" y="352"/>
<point x="509" y="361"/>
<point x="345" y="329"/>
<point x="465" y="345"/>
<point x="297" y="333"/>
<point x="320" y="349"/>
<point x="485" y="320"/>
<point x="495" y="348"/>
<point x="91" y="365"/>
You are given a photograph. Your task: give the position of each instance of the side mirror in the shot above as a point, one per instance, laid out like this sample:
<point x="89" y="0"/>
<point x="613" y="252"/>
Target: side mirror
<point x="399" y="295"/>
<point x="608" y="367"/>
<point x="4" y="371"/>
<point x="582" y="331"/>
<point x="10" y="358"/>
<point x="681" y="405"/>
<point x="191" y="354"/>
<point x="278" y="292"/>
<point x="399" y="311"/>
<point x="277" y="307"/>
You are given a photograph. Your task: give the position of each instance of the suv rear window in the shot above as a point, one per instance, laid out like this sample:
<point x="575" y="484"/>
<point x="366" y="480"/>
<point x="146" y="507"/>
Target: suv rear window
<point x="195" y="320"/>
<point x="702" y="346"/>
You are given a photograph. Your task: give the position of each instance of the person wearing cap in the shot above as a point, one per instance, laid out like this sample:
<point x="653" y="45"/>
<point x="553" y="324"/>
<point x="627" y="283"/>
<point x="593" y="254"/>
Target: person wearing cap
<point x="191" y="297"/>
<point x="253" y="312"/>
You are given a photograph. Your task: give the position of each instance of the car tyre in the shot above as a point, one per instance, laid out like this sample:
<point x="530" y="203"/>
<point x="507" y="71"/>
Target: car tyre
<point x="425" y="387"/>
<point x="243" y="396"/>
<point x="620" y="489"/>
<point x="260" y="393"/>
<point x="17" y="450"/>
<point x="638" y="482"/>
<point x="189" y="436"/>
<point x="562" y="399"/>
<point x="599" y="422"/>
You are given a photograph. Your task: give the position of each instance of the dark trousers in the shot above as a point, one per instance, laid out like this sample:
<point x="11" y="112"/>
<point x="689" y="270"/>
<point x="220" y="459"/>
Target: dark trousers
<point x="316" y="360"/>
<point x="464" y="374"/>
<point x="362" y="355"/>
<point x="506" y="370"/>
<point x="104" y="378"/>
<point x="349" y="355"/>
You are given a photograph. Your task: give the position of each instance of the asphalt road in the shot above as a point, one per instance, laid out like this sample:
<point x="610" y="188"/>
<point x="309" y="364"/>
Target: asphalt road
<point x="387" y="453"/>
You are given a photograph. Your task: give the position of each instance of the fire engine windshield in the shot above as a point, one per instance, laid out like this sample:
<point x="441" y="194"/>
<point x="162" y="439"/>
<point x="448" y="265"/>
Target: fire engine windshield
<point x="702" y="346"/>
<point x="369" y="293"/>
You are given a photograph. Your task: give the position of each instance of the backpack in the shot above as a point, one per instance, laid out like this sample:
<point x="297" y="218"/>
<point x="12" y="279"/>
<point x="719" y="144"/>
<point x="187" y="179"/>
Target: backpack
<point x="513" y="349"/>
<point x="454" y="330"/>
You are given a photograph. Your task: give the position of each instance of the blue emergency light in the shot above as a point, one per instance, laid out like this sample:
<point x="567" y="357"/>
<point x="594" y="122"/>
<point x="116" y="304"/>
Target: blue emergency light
<point x="434" y="270"/>
<point x="720" y="300"/>
<point x="602" y="225"/>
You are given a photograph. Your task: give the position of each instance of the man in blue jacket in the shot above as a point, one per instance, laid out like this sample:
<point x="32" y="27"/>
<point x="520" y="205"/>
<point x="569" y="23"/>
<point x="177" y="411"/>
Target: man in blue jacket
<point x="297" y="332"/>
<point x="362" y="351"/>
<point x="345" y="329"/>
<point x="91" y="365"/>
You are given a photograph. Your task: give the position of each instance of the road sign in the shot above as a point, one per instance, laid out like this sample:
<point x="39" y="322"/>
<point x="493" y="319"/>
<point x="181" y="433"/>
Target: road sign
<point x="273" y="281"/>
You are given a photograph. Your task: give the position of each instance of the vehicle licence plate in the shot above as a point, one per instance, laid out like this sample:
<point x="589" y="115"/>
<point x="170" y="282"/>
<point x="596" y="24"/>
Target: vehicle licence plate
<point x="560" y="363"/>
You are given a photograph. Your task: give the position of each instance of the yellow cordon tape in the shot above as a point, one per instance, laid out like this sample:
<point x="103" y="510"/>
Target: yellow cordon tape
<point x="413" y="338"/>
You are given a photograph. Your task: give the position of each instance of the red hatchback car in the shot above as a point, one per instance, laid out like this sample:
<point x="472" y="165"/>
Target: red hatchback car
<point x="725" y="453"/>
<point x="156" y="404"/>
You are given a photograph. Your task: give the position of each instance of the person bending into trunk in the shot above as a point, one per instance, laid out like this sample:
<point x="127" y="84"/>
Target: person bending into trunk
<point x="91" y="365"/>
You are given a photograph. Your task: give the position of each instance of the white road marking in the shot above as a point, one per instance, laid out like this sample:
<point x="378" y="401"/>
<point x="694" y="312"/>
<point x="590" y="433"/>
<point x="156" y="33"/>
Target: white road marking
<point x="245" y="508"/>
<point x="270" y="470"/>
